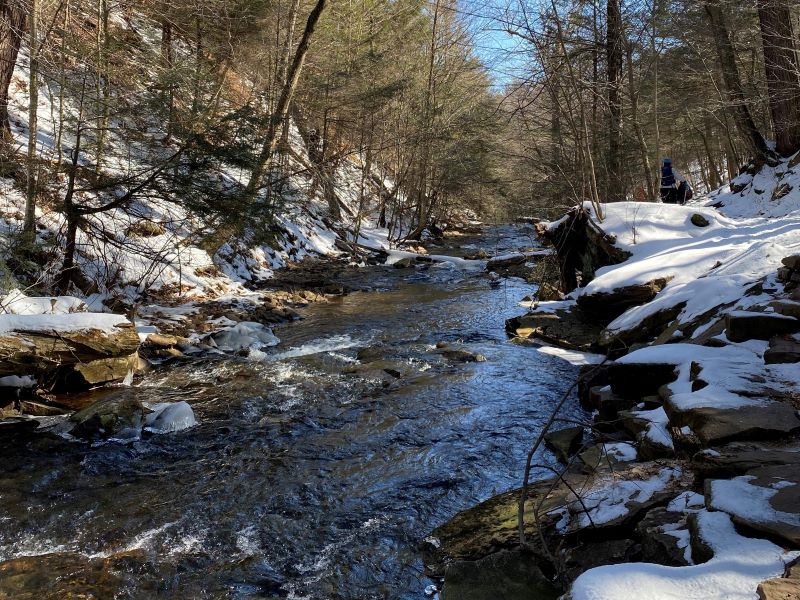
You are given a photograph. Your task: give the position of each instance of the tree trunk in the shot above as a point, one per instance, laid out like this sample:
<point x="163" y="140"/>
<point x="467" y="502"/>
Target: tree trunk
<point x="29" y="228"/>
<point x="167" y="56"/>
<point x="12" y="22"/>
<point x="743" y="118"/>
<point x="285" y="100"/>
<point x="616" y="185"/>
<point x="780" y="61"/>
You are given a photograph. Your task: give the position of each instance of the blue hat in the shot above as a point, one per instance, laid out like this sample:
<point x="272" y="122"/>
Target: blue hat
<point x="667" y="161"/>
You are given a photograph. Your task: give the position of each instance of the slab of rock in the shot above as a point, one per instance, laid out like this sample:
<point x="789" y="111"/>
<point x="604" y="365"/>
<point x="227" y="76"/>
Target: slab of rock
<point x="564" y="442"/>
<point x="738" y="458"/>
<point x="69" y="358"/>
<point x="742" y="326"/>
<point x="699" y="220"/>
<point x="771" y="420"/>
<point x="787" y="308"/>
<point x="635" y="381"/>
<point x="767" y="499"/>
<point x="610" y="305"/>
<point x="565" y="328"/>
<point x="783" y="349"/>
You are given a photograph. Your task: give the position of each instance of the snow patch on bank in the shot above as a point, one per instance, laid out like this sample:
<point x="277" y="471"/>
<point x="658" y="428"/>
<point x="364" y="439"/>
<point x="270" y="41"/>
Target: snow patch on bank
<point x="738" y="566"/>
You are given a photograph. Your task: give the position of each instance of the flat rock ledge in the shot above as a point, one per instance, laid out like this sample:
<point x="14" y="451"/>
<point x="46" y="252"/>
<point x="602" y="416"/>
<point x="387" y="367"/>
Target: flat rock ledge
<point x="68" y="358"/>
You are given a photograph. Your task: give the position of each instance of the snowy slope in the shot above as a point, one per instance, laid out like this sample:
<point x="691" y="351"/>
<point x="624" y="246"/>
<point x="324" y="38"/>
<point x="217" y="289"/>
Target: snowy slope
<point x="121" y="256"/>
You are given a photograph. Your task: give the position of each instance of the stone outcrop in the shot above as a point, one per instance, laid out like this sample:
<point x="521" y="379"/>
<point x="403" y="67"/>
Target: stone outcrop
<point x="70" y="359"/>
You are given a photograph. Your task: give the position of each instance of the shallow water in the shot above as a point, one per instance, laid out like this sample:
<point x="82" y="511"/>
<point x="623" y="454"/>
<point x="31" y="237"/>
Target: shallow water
<point x="308" y="476"/>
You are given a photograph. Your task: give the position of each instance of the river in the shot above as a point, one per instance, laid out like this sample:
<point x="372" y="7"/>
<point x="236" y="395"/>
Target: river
<point x="308" y="476"/>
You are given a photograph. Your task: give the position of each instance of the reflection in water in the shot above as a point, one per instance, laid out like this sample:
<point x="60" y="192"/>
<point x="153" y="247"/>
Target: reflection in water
<point x="311" y="474"/>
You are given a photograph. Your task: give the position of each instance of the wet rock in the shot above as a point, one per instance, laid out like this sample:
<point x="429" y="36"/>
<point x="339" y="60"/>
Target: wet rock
<point x="782" y="588"/>
<point x="463" y="356"/>
<point x="767" y="499"/>
<point x="610" y="305"/>
<point x="712" y="426"/>
<point x="119" y="416"/>
<point x="404" y="263"/>
<point x="98" y="372"/>
<point x="565" y="442"/>
<point x="699" y="220"/>
<point x="742" y="326"/>
<point x="782" y="350"/>
<point x="508" y="574"/>
<point x="566" y="328"/>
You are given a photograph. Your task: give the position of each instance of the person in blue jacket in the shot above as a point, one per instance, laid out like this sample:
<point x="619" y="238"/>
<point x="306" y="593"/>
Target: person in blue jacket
<point x="674" y="187"/>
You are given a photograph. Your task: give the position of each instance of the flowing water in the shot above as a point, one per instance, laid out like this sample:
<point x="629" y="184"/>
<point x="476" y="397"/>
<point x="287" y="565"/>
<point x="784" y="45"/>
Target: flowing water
<point x="309" y="474"/>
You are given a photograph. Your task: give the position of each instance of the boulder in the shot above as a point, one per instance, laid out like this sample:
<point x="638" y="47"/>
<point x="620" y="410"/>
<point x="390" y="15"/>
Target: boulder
<point x="564" y="442"/>
<point x="508" y="574"/>
<point x="404" y="263"/>
<point x="742" y="326"/>
<point x="118" y="416"/>
<point x="767" y="499"/>
<point x="699" y="220"/>
<point x="792" y="262"/>
<point x="611" y="304"/>
<point x="782" y="349"/>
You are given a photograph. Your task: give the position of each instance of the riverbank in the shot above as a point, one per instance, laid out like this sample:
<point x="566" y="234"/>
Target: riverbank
<point x="684" y="482"/>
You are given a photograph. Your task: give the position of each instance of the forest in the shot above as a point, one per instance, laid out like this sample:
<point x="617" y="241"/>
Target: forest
<point x="534" y="108"/>
<point x="400" y="299"/>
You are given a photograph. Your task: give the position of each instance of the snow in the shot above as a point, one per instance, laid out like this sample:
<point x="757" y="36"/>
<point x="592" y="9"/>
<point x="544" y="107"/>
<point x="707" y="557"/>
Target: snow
<point x="572" y="356"/>
<point x="687" y="502"/>
<point x="740" y="498"/>
<point x="245" y="335"/>
<point x="727" y="371"/>
<point x="608" y="497"/>
<point x="621" y="451"/>
<point x="61" y="323"/>
<point x="17" y="303"/>
<point x="169" y="417"/>
<point x="657" y="430"/>
<point x="738" y="566"/>
<point x="706" y="267"/>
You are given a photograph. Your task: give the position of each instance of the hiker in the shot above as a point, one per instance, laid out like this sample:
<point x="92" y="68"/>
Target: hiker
<point x="671" y="182"/>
